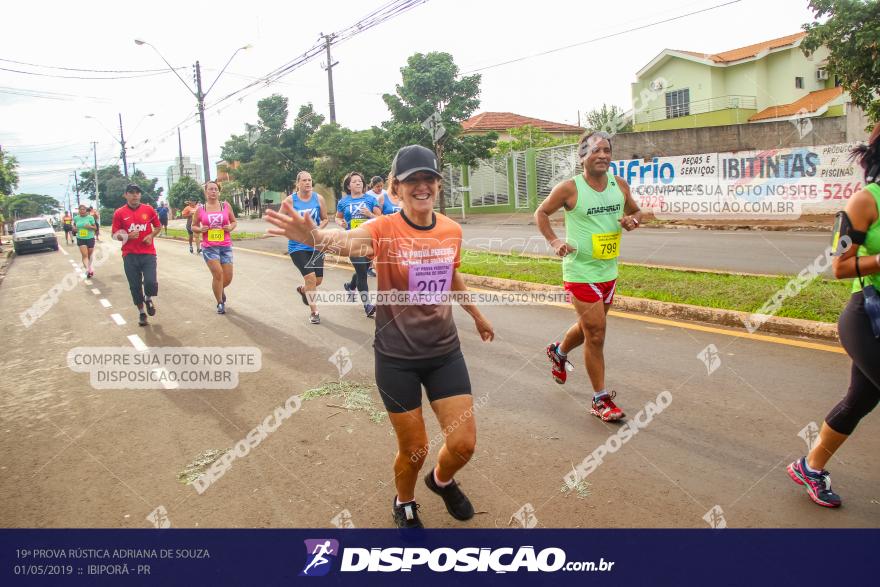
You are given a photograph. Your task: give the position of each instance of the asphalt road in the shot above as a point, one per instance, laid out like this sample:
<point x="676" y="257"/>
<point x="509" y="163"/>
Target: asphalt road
<point x="771" y="252"/>
<point x="76" y="456"/>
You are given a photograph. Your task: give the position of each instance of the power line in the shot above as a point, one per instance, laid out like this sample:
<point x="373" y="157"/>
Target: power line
<point x="86" y="69"/>
<point x="601" y="38"/>
<point x="378" y="16"/>
<point x="163" y="72"/>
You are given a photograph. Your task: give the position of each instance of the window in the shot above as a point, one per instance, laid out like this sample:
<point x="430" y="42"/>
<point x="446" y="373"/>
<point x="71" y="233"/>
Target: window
<point x="799" y="83"/>
<point x="678" y="103"/>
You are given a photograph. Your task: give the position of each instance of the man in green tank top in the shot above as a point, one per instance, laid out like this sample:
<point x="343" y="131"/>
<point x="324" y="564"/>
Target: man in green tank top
<point x="598" y="205"/>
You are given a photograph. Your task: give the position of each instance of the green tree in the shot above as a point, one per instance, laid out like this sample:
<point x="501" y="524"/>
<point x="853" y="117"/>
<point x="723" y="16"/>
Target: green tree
<point x="850" y="30"/>
<point x="112" y="185"/>
<point x="528" y="137"/>
<point x="8" y="173"/>
<point x="432" y="95"/>
<point x="270" y="152"/>
<point x="339" y="150"/>
<point x="27" y="205"/>
<point x="610" y="119"/>
<point x="185" y="189"/>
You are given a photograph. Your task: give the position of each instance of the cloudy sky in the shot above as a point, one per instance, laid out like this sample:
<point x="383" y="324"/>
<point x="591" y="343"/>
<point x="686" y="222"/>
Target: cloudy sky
<point x="43" y="117"/>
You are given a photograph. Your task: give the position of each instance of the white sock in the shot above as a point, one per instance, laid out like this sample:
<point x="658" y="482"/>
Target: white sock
<point x="809" y="468"/>
<point x="441" y="483"/>
<point x="399" y="503"/>
<point x="560" y="353"/>
<point x="599" y="394"/>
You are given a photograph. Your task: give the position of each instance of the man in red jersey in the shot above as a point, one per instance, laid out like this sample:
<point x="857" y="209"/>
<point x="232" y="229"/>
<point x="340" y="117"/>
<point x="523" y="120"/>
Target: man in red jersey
<point x="136" y="225"/>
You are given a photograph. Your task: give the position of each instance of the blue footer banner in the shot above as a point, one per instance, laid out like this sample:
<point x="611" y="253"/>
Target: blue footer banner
<point x="436" y="557"/>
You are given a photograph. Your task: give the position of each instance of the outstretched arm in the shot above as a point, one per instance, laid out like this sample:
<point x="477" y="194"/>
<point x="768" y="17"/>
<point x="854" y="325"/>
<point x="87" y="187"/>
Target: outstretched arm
<point x="351" y="243"/>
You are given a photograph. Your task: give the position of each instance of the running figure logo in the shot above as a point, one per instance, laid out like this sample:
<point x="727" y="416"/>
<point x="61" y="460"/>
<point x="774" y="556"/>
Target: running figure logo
<point x="810" y="434"/>
<point x="710" y="358"/>
<point x="317" y="552"/>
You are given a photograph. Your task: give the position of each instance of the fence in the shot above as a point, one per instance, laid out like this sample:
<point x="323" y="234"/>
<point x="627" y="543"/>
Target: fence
<point x="820" y="178"/>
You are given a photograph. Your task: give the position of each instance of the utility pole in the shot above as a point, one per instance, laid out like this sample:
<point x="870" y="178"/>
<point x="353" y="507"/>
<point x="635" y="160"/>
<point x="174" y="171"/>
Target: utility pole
<point x="122" y="144"/>
<point x="76" y="183"/>
<point x="201" y="98"/>
<point x="329" y="68"/>
<point x="97" y="197"/>
<point x="179" y="155"/>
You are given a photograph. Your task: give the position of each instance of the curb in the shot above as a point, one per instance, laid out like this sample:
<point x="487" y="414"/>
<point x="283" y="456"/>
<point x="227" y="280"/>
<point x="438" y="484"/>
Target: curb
<point x="714" y="316"/>
<point x="6" y="258"/>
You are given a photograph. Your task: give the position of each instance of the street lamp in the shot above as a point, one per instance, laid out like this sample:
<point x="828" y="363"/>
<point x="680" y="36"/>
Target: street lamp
<point x="198" y="94"/>
<point x="121" y="139"/>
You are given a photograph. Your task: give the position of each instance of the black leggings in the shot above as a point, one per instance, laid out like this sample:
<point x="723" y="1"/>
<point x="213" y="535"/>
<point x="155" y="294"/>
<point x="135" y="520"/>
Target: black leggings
<point x="140" y="270"/>
<point x="359" y="279"/>
<point x="864" y="387"/>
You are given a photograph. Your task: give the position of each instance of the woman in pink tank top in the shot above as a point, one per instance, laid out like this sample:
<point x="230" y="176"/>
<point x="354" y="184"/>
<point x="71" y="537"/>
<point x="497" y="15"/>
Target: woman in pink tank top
<point x="214" y="221"/>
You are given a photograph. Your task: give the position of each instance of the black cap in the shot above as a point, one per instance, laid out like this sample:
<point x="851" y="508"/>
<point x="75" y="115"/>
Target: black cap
<point x="133" y="188"/>
<point x="413" y="158"/>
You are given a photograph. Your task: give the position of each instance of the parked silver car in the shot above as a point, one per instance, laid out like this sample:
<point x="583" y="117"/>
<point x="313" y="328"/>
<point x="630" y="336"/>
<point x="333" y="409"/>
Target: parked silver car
<point x="33" y="233"/>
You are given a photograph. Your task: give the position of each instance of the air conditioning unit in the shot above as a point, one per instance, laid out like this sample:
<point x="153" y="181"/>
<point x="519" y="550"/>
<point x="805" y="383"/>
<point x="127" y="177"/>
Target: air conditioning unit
<point x="821" y="74"/>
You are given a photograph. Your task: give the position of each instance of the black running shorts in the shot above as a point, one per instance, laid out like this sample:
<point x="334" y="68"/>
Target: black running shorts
<point x="400" y="381"/>
<point x="308" y="262"/>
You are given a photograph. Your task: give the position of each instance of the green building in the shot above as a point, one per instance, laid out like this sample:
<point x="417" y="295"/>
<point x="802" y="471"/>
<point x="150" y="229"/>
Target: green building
<point x="767" y="81"/>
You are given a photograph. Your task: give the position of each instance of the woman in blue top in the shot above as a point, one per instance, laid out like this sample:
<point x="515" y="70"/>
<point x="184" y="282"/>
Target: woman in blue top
<point x="309" y="261"/>
<point x="389" y="202"/>
<point x="352" y="211"/>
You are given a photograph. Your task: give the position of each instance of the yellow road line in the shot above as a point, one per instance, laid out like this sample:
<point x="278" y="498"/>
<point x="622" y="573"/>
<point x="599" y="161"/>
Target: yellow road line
<point x="663" y="321"/>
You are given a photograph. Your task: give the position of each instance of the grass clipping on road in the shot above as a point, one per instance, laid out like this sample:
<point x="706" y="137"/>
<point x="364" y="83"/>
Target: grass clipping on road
<point x="822" y="300"/>
<point x="355" y="396"/>
<point x="201" y="464"/>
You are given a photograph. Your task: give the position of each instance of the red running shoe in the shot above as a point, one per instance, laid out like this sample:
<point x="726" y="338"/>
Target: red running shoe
<point x="606" y="409"/>
<point x="558" y="365"/>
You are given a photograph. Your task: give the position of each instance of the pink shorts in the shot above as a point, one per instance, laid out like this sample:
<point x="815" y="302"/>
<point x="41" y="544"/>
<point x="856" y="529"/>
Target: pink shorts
<point x="592" y="292"/>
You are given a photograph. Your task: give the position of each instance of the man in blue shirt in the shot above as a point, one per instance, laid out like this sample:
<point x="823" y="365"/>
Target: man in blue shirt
<point x="162" y="211"/>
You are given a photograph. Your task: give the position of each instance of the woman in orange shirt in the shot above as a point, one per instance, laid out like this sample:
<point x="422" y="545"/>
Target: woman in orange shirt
<point x="187" y="213"/>
<point x="417" y="253"/>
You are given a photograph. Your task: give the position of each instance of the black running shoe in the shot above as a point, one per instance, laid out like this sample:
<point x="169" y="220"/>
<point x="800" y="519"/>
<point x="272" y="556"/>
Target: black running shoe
<point x="151" y="309"/>
<point x="142" y="319"/>
<point x="302" y="293"/>
<point x="406" y="515"/>
<point x="223" y="299"/>
<point x="370" y="310"/>
<point x="457" y="503"/>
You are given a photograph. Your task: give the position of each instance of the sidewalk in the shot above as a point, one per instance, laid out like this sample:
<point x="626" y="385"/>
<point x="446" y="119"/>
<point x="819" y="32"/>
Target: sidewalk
<point x="804" y="223"/>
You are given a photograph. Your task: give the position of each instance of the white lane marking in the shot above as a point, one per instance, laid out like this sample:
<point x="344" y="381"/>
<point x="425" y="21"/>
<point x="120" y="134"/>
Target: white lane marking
<point x="137" y="343"/>
<point x="106" y="303"/>
<point x="63" y="251"/>
<point x="87" y="281"/>
<point x="120" y="321"/>
<point x="96" y="291"/>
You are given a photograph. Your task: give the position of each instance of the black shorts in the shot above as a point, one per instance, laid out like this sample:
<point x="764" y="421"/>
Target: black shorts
<point x="308" y="262"/>
<point x="88" y="242"/>
<point x="164" y="222"/>
<point x="400" y="381"/>
<point x="68" y="228"/>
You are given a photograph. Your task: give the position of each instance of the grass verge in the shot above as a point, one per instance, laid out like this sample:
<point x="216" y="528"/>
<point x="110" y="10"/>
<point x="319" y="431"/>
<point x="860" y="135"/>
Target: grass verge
<point x="822" y="300"/>
<point x="236" y="236"/>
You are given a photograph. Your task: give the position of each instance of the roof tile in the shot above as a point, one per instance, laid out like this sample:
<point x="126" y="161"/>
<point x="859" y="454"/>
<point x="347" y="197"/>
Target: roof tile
<point x="809" y="103"/>
<point x="501" y="121"/>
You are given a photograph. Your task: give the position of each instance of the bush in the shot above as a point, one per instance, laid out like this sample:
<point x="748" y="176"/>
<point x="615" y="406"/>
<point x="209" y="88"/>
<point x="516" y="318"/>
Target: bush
<point x="107" y="216"/>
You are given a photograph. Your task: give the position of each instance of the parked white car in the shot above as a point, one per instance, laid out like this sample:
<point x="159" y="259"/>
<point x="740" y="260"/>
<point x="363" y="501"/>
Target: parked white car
<point x="33" y="233"/>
